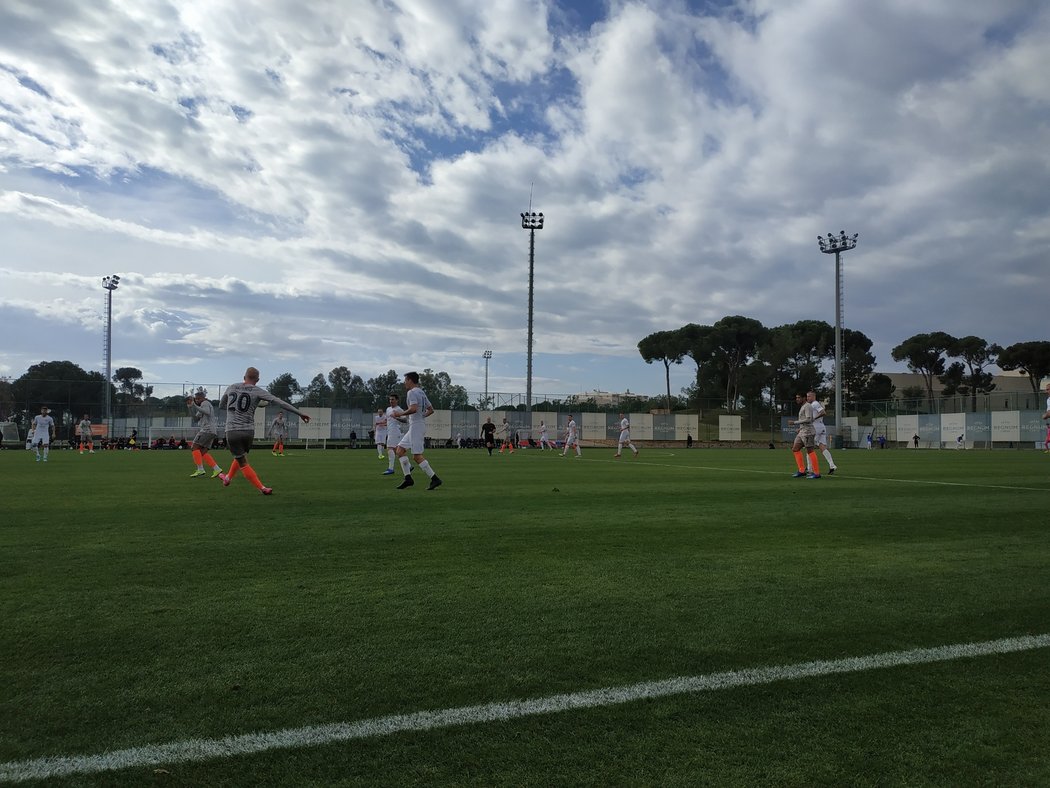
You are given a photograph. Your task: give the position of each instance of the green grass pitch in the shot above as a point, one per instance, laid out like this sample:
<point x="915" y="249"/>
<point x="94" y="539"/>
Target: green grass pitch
<point x="140" y="606"/>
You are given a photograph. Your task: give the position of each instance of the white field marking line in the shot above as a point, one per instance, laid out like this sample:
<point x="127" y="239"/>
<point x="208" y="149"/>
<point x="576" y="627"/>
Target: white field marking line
<point x="849" y="476"/>
<point x="314" y="735"/>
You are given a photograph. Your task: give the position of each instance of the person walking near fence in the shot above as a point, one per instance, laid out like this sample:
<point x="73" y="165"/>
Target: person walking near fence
<point x="240" y="402"/>
<point x="572" y="438"/>
<point x="545" y="442"/>
<point x="625" y="437"/>
<point x="203" y="416"/>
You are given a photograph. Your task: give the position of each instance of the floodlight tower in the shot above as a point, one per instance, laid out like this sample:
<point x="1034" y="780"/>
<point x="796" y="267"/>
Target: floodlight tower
<point x="532" y="222"/>
<point x="109" y="283"/>
<point x="487" y="355"/>
<point x="837" y="246"/>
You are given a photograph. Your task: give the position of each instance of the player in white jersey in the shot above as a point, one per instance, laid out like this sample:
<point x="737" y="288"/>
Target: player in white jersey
<point x="278" y="431"/>
<point x="572" y="438"/>
<point x="1046" y="417"/>
<point x="240" y="401"/>
<point x="41" y="434"/>
<point x="418" y="408"/>
<point x="625" y="437"/>
<point x="820" y="436"/>
<point x="379" y="429"/>
<point x="393" y="419"/>
<point x="545" y="442"/>
<point x="203" y="415"/>
<point x="87" y="440"/>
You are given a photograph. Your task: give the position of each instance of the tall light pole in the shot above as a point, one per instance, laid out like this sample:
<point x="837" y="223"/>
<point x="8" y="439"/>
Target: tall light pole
<point x="837" y="246"/>
<point x="110" y="284"/>
<point x="532" y="222"/>
<point x="487" y="355"/>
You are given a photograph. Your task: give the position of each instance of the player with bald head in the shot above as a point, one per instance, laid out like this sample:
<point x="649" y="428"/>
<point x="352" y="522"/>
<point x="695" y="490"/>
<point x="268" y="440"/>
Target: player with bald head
<point x="240" y="401"/>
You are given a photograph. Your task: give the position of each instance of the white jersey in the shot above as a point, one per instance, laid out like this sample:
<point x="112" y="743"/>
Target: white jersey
<point x="43" y="426"/>
<point x="419" y="399"/>
<point x="819" y="429"/>
<point x="625" y="429"/>
<point x="380" y="425"/>
<point x="392" y="426"/>
<point x="570" y="431"/>
<point x="543" y="431"/>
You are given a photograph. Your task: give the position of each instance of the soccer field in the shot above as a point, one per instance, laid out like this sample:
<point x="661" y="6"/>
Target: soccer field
<point x="151" y="621"/>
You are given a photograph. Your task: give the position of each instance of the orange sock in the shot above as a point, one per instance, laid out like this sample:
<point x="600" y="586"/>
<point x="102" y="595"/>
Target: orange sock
<point x="233" y="469"/>
<point x="197" y="456"/>
<point x="209" y="458"/>
<point x="813" y="463"/>
<point x="799" y="461"/>
<point x="249" y="474"/>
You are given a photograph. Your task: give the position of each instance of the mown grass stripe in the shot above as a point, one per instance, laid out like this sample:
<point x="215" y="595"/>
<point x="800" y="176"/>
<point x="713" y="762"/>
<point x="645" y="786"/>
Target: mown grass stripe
<point x="314" y="735"/>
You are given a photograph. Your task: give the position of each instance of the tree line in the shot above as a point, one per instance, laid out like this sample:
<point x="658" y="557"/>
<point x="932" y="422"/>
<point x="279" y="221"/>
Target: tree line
<point x="743" y="364"/>
<point x="65" y="386"/>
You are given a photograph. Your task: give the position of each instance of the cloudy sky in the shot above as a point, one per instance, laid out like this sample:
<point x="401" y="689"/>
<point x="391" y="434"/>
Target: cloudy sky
<point x="303" y="186"/>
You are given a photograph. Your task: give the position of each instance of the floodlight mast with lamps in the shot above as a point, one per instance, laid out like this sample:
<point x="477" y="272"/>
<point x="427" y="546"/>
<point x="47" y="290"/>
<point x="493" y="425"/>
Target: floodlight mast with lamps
<point x="836" y="246"/>
<point x="109" y="283"/>
<point x="532" y="222"/>
<point x="487" y="355"/>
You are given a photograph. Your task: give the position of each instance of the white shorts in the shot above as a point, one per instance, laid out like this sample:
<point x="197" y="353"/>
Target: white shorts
<point x="413" y="439"/>
<point x="393" y="436"/>
<point x="625" y="436"/>
<point x="821" y="436"/>
<point x="43" y="438"/>
<point x="572" y="441"/>
<point x="381" y="437"/>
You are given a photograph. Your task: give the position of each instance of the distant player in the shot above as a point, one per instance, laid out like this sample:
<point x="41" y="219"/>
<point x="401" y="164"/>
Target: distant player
<point x="805" y="439"/>
<point x="506" y="437"/>
<point x="820" y="431"/>
<point x="488" y="435"/>
<point x="42" y="432"/>
<point x="418" y="408"/>
<point x="1046" y="418"/>
<point x="625" y="437"/>
<point x="393" y="418"/>
<point x="203" y="415"/>
<point x="87" y="440"/>
<point x="278" y="431"/>
<point x="572" y="438"/>
<point x="240" y="401"/>
<point x="545" y="439"/>
<point x="379" y="427"/>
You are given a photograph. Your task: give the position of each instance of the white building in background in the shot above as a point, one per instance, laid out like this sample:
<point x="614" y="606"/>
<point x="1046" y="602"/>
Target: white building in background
<point x="608" y="398"/>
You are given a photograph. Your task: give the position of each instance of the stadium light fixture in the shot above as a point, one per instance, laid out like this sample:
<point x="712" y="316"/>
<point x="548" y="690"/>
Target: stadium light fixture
<point x="836" y="246"/>
<point x="109" y="283"/>
<point x="532" y="222"/>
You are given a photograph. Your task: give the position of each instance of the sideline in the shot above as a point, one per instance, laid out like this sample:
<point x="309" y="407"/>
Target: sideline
<point x="311" y="736"/>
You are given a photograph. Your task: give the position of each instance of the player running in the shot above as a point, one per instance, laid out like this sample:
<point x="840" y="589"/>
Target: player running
<point x="625" y="437"/>
<point x="572" y="438"/>
<point x="418" y="409"/>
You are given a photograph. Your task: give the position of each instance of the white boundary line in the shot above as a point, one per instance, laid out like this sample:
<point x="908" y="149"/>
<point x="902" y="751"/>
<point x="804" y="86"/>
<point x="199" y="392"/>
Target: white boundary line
<point x="311" y="736"/>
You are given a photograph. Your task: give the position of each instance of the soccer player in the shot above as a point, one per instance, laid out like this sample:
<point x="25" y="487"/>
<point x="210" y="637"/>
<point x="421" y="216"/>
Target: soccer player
<point x="379" y="429"/>
<point x="392" y="421"/>
<point x="545" y="442"/>
<point x="278" y="431"/>
<point x="821" y="432"/>
<point x="805" y="439"/>
<point x="488" y="435"/>
<point x="86" y="438"/>
<point x="572" y="438"/>
<point x="625" y="436"/>
<point x="42" y="433"/>
<point x="506" y="437"/>
<point x="203" y="416"/>
<point x="418" y="409"/>
<point x="1046" y="418"/>
<point x="240" y="401"/>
